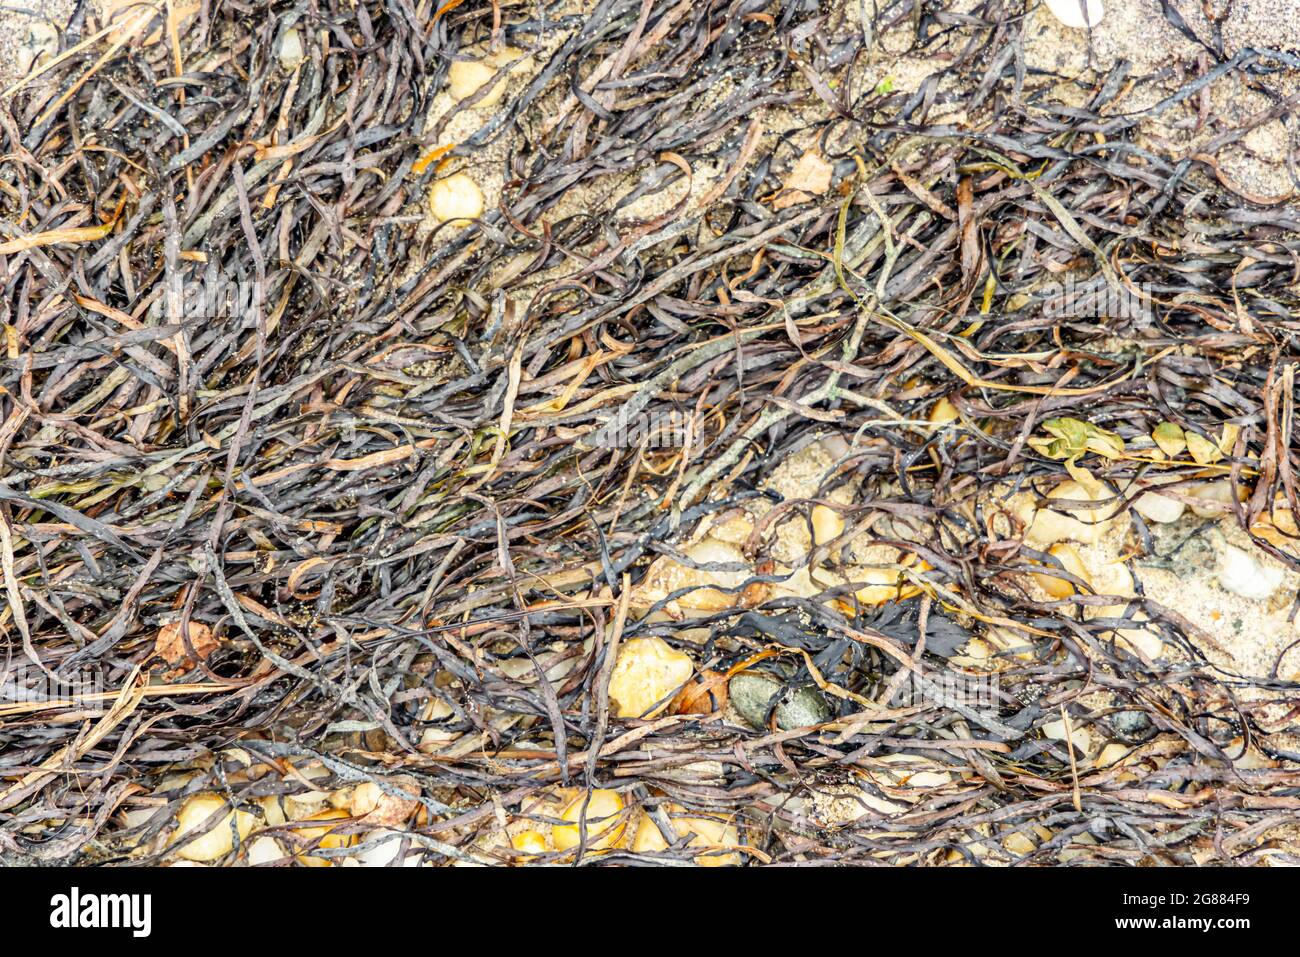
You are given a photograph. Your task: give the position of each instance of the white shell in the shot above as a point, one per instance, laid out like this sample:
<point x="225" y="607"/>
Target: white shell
<point x="1071" y="13"/>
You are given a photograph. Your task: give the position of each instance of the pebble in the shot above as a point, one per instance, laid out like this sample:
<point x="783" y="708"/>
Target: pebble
<point x="751" y="694"/>
<point x="1079" y="735"/>
<point x="1057" y="523"/>
<point x="1218" y="496"/>
<point x="265" y="850"/>
<point x="712" y="834"/>
<point x="1158" y="508"/>
<point x="1131" y="726"/>
<point x="217" y="842"/>
<point x="646" y="675"/>
<point x="1240" y="574"/>
<point x="1112" y="753"/>
<point x="1079" y="14"/>
<point x="290" y="52"/>
<point x="467" y="77"/>
<point x="456" y="199"/>
<point x="40" y="44"/>
<point x="605" y="823"/>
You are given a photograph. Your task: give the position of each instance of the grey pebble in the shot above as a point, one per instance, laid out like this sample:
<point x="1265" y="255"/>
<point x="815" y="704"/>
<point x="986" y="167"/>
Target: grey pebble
<point x="752" y="692"/>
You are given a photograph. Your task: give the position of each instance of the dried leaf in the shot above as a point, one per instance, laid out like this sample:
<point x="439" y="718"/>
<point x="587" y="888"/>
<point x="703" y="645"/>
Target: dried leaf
<point x="811" y="176"/>
<point x="170" y="645"/>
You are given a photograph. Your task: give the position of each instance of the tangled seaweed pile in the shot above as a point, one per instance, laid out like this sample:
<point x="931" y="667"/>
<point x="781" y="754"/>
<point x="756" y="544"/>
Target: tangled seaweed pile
<point x="689" y="503"/>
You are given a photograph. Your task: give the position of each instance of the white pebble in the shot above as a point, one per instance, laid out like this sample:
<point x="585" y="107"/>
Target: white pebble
<point x="1077" y="13"/>
<point x="1158" y="508"/>
<point x="265" y="850"/>
<point x="1240" y="574"/>
<point x="290" y="53"/>
<point x="1079" y="736"/>
<point x="40" y="44"/>
<point x="1219" y="494"/>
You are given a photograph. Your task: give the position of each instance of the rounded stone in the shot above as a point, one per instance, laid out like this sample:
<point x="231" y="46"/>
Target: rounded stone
<point x="752" y="694"/>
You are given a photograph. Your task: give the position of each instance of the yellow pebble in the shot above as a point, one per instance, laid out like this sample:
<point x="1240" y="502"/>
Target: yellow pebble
<point x="605" y="824"/>
<point x="456" y="199"/>
<point x="217" y="842"/>
<point x="646" y="675"/>
<point x="324" y="836"/>
<point x="708" y="832"/>
<point x="826" y="524"/>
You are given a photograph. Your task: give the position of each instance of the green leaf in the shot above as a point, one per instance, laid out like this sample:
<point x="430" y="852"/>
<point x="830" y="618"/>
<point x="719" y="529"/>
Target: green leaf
<point x="1073" y="437"/>
<point x="1169" y="437"/>
<point x="1203" y="451"/>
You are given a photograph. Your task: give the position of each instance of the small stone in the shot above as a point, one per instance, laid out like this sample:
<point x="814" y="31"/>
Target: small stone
<point x="467" y="77"/>
<point x="943" y="412"/>
<point x="710" y="834"/>
<point x="217" y="842"/>
<point x="265" y="850"/>
<point x="751" y="693"/>
<point x="40" y="44"/>
<point x="322" y="835"/>
<point x="880" y="585"/>
<point x="529" y="842"/>
<point x="603" y="817"/>
<point x="1019" y="842"/>
<point x="1158" y="508"/>
<point x="1057" y="523"/>
<point x="1112" y="753"/>
<point x="1131" y="726"/>
<point x="290" y="52"/>
<point x="1218" y="498"/>
<point x="802" y="708"/>
<point x="1055" y="586"/>
<point x="827" y="525"/>
<point x="646" y="675"/>
<point x="382" y="807"/>
<point x="1080" y="737"/>
<point x="1077" y="14"/>
<point x="456" y="199"/>
<point x="712" y="588"/>
<point x="1240" y="574"/>
<point x="1146" y="642"/>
